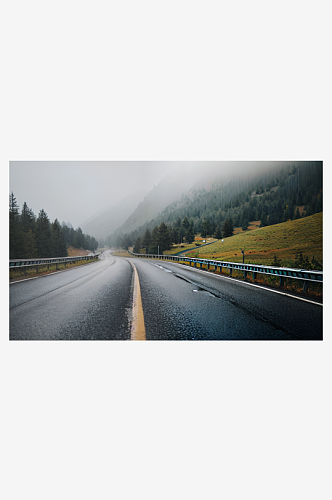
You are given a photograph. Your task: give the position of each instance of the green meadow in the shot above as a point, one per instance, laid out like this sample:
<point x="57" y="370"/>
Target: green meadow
<point x="260" y="245"/>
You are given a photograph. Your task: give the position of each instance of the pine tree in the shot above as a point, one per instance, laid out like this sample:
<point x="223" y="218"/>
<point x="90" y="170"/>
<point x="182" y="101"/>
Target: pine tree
<point x="319" y="204"/>
<point x="228" y="228"/>
<point x="16" y="241"/>
<point x="178" y="231"/>
<point x="30" y="246"/>
<point x="71" y="236"/>
<point x="146" y="240"/>
<point x="206" y="228"/>
<point x="153" y="249"/>
<point x="43" y="234"/>
<point x="190" y="235"/>
<point x="218" y="233"/>
<point x="178" y="223"/>
<point x="57" y="243"/>
<point x="28" y="219"/>
<point x="125" y="242"/>
<point x="78" y="238"/>
<point x="94" y="244"/>
<point x="137" y="245"/>
<point x="174" y="235"/>
<point x="87" y="241"/>
<point x="164" y="237"/>
<point x="185" y="222"/>
<point x="245" y="224"/>
<point x="263" y="220"/>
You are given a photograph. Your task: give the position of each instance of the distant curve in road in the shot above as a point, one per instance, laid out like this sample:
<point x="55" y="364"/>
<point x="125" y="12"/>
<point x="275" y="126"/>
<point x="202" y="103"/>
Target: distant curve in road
<point x="98" y="302"/>
<point x="91" y="302"/>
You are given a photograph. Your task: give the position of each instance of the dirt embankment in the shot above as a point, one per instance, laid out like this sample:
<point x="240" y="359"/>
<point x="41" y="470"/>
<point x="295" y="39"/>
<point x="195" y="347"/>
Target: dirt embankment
<point x="73" y="252"/>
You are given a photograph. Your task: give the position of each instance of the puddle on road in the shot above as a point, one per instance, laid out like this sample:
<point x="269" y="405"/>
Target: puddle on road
<point x="201" y="290"/>
<point x="196" y="289"/>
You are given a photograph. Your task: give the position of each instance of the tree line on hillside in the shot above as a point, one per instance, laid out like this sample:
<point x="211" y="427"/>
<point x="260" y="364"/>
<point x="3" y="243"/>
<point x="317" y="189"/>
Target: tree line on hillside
<point x="288" y="191"/>
<point x="163" y="237"/>
<point x="32" y="237"/>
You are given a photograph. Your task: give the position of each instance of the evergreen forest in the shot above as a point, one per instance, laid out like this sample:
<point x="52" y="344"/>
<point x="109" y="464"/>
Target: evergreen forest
<point x="285" y="191"/>
<point x="36" y="237"/>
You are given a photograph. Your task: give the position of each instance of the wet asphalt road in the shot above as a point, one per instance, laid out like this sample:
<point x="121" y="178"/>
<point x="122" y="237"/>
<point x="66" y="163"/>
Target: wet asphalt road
<point x="180" y="303"/>
<point x="94" y="302"/>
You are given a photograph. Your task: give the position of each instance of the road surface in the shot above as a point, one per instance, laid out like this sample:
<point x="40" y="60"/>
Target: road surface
<point x="123" y="299"/>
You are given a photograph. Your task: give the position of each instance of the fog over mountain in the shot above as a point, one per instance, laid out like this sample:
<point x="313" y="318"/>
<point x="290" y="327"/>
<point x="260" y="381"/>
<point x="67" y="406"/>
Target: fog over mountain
<point x="107" y="196"/>
<point x="140" y="206"/>
<point x="216" y="196"/>
<point x="75" y="191"/>
<point x="102" y="224"/>
<point x="179" y="182"/>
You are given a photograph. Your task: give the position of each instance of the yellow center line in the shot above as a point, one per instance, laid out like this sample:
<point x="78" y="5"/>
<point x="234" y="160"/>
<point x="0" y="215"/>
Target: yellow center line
<point x="137" y="327"/>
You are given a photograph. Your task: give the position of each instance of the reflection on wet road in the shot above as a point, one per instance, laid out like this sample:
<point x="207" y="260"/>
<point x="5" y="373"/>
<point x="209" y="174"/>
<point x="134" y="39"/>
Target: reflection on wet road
<point x="181" y="303"/>
<point x="115" y="298"/>
<point x="92" y="302"/>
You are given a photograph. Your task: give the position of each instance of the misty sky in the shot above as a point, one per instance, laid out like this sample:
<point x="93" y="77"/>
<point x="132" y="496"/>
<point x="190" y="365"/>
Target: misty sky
<point x="74" y="191"/>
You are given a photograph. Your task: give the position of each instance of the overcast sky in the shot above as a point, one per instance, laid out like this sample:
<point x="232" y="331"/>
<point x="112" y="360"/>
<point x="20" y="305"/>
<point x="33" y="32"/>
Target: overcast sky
<point x="73" y="191"/>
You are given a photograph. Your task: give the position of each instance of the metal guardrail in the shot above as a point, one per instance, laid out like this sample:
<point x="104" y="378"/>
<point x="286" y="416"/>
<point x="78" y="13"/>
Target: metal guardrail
<point x="25" y="263"/>
<point x="282" y="272"/>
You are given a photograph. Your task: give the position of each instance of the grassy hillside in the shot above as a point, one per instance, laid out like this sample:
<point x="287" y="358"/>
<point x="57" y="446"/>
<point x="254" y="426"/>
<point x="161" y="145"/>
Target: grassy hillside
<point x="260" y="245"/>
<point x="236" y="193"/>
<point x="185" y="247"/>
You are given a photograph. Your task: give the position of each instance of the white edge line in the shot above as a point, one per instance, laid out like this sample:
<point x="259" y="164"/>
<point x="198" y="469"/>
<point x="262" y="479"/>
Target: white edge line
<point x="246" y="283"/>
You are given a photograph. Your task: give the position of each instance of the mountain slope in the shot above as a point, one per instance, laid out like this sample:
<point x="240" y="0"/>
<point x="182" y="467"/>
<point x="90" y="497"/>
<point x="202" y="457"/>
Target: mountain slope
<point x="107" y="222"/>
<point x="271" y="192"/>
<point x="167" y="191"/>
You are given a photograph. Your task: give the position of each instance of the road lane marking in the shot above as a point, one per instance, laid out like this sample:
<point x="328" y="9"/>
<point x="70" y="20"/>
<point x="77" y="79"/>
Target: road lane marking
<point x="137" y="327"/>
<point x="189" y="268"/>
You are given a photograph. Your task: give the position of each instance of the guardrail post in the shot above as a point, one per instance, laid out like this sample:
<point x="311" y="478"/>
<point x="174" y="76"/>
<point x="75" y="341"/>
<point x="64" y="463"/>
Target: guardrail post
<point x="231" y="271"/>
<point x="305" y="286"/>
<point x="281" y="281"/>
<point x="254" y="275"/>
<point x="37" y="269"/>
<point x="245" y="274"/>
